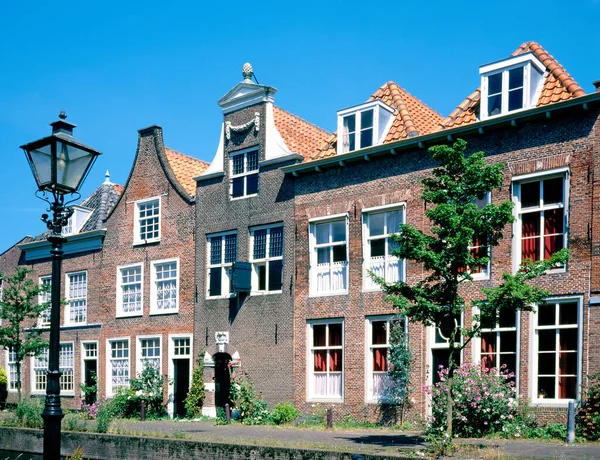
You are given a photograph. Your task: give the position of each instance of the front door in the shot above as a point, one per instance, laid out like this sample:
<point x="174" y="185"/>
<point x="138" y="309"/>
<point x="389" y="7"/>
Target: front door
<point x="222" y="379"/>
<point x="90" y="374"/>
<point x="181" y="384"/>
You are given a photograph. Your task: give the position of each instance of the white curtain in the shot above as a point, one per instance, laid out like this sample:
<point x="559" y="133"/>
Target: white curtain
<point x="328" y="385"/>
<point x="331" y="277"/>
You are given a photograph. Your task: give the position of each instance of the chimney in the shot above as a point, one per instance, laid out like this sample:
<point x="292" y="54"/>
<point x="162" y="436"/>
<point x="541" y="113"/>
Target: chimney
<point x="596" y="84"/>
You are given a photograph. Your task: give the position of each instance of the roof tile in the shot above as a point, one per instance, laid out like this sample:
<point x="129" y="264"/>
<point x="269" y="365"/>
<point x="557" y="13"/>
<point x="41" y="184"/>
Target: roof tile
<point x="412" y="117"/>
<point x="185" y="168"/>
<point x="558" y="86"/>
<point x="299" y="135"/>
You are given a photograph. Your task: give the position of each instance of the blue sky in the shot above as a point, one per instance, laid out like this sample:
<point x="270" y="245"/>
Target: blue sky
<point x="116" y="67"/>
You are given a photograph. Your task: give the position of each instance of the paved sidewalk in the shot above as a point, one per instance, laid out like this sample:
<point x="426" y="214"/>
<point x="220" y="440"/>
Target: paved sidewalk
<point x="374" y="441"/>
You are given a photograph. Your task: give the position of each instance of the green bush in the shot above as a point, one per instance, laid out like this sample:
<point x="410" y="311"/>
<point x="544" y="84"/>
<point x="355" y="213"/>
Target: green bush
<point x="3" y="377"/>
<point x="195" y="398"/>
<point x="284" y="413"/>
<point x="246" y="398"/>
<point x="73" y="422"/>
<point x="221" y="417"/>
<point x="103" y="418"/>
<point x="483" y="401"/>
<point x="29" y="413"/>
<point x="587" y="419"/>
<point x="556" y="431"/>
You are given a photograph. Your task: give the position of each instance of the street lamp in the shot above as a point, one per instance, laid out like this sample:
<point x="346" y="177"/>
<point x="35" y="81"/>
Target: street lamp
<point x="59" y="164"/>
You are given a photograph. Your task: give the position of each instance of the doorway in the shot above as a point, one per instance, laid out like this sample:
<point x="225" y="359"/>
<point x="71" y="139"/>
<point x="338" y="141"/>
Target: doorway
<point x="222" y="379"/>
<point x="181" y="385"/>
<point x="90" y="370"/>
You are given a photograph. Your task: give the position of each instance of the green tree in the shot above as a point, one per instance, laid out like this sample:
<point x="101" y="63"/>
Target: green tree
<point x="19" y="310"/>
<point x="444" y="251"/>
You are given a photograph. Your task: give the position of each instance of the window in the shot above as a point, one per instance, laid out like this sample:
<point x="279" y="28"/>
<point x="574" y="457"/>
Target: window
<point x="363" y="126"/>
<point x="222" y="252"/>
<point x="329" y="257"/>
<point x="326" y="360"/>
<point x="66" y="363"/>
<point x="45" y="297"/>
<point x="90" y="350"/>
<point x="147" y="221"/>
<point x="1" y="289"/>
<point x="182" y="346"/>
<point x="378" y="340"/>
<point x="130" y="290"/>
<point x="499" y="341"/>
<point x="164" y="289"/>
<point x="542" y="217"/>
<point x="439" y="343"/>
<point x="267" y="259"/>
<point x="557" y="344"/>
<point x="510" y="85"/>
<point x="244" y="174"/>
<point x="118" y="365"/>
<point x="479" y="246"/>
<point x="149" y="353"/>
<point x="378" y="227"/>
<point x="76" y="221"/>
<point x="12" y="369"/>
<point x="77" y="298"/>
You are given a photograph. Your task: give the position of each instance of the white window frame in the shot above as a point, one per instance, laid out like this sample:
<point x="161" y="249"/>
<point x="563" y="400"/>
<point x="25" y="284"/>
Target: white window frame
<point x="226" y="267"/>
<point x="139" y="367"/>
<point x="311" y="396"/>
<point x="244" y="175"/>
<point x="35" y="389"/>
<point x="433" y="345"/>
<point x="368" y="283"/>
<point x="68" y="307"/>
<point x="137" y="240"/>
<point x="485" y="270"/>
<point x="517" y="181"/>
<point x="44" y="297"/>
<point x="533" y="384"/>
<point x="33" y="368"/>
<point x="10" y="363"/>
<point x="77" y="220"/>
<point x="370" y="397"/>
<point x="265" y="261"/>
<point x="476" y="343"/>
<point x="84" y="357"/>
<point x="312" y="225"/>
<point x="120" y="285"/>
<point x="529" y="62"/>
<point x="171" y="367"/>
<point x="109" y="387"/>
<point x="383" y="117"/>
<point x="154" y="310"/>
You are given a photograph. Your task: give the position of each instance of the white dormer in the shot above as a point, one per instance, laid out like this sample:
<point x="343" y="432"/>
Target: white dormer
<point x="363" y="126"/>
<point x="510" y="85"/>
<point x="76" y="221"/>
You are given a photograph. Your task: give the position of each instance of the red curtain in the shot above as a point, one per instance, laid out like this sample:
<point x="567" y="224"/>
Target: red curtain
<point x="320" y="361"/>
<point x="554" y="227"/>
<point x="530" y="240"/>
<point x="380" y="360"/>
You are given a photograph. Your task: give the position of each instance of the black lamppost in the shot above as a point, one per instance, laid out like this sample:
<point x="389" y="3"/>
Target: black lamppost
<point x="59" y="164"/>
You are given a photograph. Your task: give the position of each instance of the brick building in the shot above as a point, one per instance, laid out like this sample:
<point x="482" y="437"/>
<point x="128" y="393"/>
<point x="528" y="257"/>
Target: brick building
<point x="81" y="320"/>
<point x="245" y="213"/>
<point x="530" y="115"/>
<point x="147" y="286"/>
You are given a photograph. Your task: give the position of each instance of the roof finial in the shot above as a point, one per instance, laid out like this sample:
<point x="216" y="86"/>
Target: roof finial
<point x="247" y="72"/>
<point x="107" y="177"/>
<point x="62" y="115"/>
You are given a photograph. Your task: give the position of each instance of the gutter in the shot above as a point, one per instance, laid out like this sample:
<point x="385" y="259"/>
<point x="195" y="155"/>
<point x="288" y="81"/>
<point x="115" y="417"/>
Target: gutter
<point x="448" y="135"/>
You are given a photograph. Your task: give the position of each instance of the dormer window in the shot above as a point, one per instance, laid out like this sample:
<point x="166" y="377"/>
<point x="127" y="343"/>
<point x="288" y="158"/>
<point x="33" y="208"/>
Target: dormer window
<point x="78" y="218"/>
<point x="510" y="85"/>
<point x="363" y="126"/>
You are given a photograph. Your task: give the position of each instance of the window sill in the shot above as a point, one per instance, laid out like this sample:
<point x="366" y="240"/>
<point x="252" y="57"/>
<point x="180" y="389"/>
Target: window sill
<point x="242" y="197"/>
<point x="74" y="324"/>
<point x="550" y="403"/>
<point x="169" y="312"/>
<point x="220" y="297"/>
<point x="262" y="293"/>
<point x="129" y="315"/>
<point x="325" y="400"/>
<point x="372" y="289"/>
<point x="327" y="294"/>
<point x="145" y="242"/>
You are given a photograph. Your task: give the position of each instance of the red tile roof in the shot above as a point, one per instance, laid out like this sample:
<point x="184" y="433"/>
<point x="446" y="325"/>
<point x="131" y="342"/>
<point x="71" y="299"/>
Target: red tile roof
<point x="299" y="135"/>
<point x="558" y="86"/>
<point x="185" y="168"/>
<point x="411" y="117"/>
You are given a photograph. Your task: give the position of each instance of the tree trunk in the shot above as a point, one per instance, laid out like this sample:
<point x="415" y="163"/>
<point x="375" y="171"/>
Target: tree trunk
<point x="451" y="366"/>
<point x="18" y="366"/>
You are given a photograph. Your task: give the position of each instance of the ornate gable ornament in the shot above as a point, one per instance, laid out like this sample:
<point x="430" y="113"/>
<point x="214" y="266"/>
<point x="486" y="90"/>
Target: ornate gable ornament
<point x="242" y="128"/>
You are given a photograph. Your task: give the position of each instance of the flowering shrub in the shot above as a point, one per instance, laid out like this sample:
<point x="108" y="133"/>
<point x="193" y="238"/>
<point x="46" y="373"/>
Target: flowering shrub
<point x="484" y="401"/>
<point x="245" y="397"/>
<point x="587" y="420"/>
<point x="90" y="411"/>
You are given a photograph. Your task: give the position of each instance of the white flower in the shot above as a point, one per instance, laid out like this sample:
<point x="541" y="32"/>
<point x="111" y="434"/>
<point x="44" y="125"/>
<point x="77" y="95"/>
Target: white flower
<point x="138" y="393"/>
